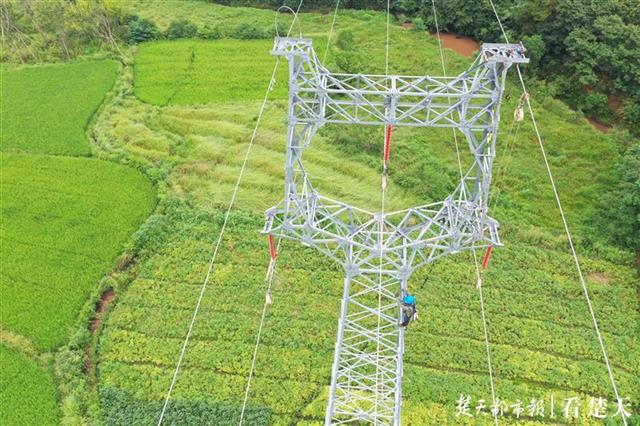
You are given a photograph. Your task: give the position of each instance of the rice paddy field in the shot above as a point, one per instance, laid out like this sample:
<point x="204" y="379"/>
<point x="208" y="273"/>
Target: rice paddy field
<point x="55" y="128"/>
<point x="27" y="391"/>
<point x="180" y="114"/>
<point x="65" y="221"/>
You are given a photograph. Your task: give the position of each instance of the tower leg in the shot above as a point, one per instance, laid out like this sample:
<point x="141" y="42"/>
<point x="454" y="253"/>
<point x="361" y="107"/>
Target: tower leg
<point x="367" y="367"/>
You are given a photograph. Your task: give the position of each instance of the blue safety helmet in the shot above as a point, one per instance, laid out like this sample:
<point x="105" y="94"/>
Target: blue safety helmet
<point x="409" y="299"/>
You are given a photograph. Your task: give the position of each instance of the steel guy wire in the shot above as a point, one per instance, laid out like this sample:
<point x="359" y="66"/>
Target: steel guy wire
<point x="564" y="221"/>
<point x="475" y="257"/>
<point x="221" y="234"/>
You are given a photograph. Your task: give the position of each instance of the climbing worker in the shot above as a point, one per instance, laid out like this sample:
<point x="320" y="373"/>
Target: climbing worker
<point x="409" y="311"/>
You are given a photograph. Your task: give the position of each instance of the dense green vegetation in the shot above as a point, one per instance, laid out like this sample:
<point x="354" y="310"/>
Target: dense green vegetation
<point x="182" y="112"/>
<point x="27" y="391"/>
<point x="621" y="204"/>
<point x="586" y="49"/>
<point x="540" y="328"/>
<point x="34" y="119"/>
<point x="58" y="29"/>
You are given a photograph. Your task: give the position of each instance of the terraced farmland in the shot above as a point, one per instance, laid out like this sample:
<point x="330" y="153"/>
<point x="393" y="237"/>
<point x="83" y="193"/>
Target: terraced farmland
<point x="65" y="221"/>
<point x="540" y="329"/>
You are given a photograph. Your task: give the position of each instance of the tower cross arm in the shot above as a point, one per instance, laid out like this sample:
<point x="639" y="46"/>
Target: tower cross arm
<point x="284" y="46"/>
<point x="319" y="96"/>
<point x="504" y="52"/>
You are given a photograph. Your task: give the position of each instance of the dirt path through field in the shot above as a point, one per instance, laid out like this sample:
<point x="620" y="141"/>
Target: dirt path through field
<point x="102" y="305"/>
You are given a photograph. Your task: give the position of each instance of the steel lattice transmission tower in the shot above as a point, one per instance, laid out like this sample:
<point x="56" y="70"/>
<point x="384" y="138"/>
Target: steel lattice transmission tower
<point x="378" y="251"/>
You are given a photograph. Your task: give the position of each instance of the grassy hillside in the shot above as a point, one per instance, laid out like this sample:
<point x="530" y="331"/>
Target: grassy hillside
<point x="540" y="329"/>
<point x="46" y="109"/>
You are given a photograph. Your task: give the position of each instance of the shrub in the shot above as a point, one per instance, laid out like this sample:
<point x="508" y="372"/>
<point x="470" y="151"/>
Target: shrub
<point x="622" y="203"/>
<point x="535" y="49"/>
<point x="210" y="32"/>
<point x="278" y="29"/>
<point x="418" y="24"/>
<point x="247" y="31"/>
<point x="181" y="29"/>
<point x="140" y="30"/>
<point x="151" y="235"/>
<point x="631" y="116"/>
<point x="350" y="62"/>
<point x="595" y="104"/>
<point x="345" y="40"/>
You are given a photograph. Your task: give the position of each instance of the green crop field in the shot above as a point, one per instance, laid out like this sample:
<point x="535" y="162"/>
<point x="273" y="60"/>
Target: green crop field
<point x="181" y="72"/>
<point x="64" y="221"/>
<point x="27" y="391"/>
<point x="35" y="120"/>
<point x="195" y="72"/>
<point x="541" y="336"/>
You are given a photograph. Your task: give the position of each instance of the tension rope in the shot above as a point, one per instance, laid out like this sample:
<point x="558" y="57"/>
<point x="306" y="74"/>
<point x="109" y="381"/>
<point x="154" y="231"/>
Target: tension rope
<point x="269" y="279"/>
<point x="479" y="271"/>
<point x="222" y="230"/>
<point x="274" y="249"/>
<point x="333" y="23"/>
<point x="581" y="279"/>
<point x="388" y="131"/>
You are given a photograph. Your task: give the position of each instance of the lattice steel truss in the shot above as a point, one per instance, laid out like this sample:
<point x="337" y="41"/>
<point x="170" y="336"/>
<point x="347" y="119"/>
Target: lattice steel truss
<point x="380" y="251"/>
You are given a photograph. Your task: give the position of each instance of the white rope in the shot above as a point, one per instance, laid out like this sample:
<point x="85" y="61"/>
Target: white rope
<point x="495" y="12"/>
<point x="486" y="339"/>
<point x="444" y="72"/>
<point x="381" y="228"/>
<point x="475" y="258"/>
<point x="221" y="234"/>
<point x="217" y="247"/>
<point x="386" y="54"/>
<point x="271" y="272"/>
<point x="564" y="222"/>
<point x="333" y="23"/>
<point x="573" y="250"/>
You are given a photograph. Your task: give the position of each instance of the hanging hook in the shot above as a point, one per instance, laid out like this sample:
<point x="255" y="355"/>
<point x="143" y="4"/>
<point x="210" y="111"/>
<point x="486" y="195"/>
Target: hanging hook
<point x="518" y="114"/>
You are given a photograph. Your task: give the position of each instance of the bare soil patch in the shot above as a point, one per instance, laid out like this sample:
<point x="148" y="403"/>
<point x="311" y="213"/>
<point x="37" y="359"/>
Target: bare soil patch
<point x="106" y="298"/>
<point x="604" y="128"/>
<point x="614" y="102"/>
<point x="462" y="45"/>
<point x="598" y="277"/>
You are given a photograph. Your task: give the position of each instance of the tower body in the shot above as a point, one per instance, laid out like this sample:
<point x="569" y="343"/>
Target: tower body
<point x="379" y="251"/>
